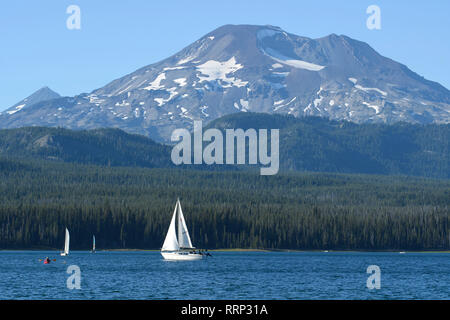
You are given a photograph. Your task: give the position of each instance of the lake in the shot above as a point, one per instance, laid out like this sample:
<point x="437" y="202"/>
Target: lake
<point x="226" y="275"/>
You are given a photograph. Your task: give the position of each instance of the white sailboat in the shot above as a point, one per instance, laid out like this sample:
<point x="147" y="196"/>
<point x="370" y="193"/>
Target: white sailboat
<point x="178" y="245"/>
<point x="93" y="244"/>
<point x="66" y="244"/>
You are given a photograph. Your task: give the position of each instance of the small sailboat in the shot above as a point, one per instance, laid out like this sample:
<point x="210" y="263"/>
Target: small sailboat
<point x="178" y="245"/>
<point x="66" y="244"/>
<point x="93" y="244"/>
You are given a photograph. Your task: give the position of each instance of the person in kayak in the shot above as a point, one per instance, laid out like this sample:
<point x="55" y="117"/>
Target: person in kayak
<point x="46" y="260"/>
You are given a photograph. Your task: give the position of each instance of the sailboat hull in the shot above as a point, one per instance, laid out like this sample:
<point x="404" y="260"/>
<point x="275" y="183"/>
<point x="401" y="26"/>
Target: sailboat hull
<point x="181" y="256"/>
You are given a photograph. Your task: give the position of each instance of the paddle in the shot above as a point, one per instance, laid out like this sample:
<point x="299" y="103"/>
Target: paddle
<point x="43" y="259"/>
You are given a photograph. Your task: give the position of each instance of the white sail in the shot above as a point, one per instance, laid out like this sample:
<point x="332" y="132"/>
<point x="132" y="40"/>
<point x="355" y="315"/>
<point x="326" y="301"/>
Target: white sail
<point x="171" y="242"/>
<point x="93" y="243"/>
<point x="66" y="242"/>
<point x="174" y="247"/>
<point x="184" y="240"/>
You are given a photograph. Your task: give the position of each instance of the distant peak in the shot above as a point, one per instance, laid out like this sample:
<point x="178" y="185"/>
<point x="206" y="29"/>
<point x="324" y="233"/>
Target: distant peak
<point x="46" y="89"/>
<point x="42" y="94"/>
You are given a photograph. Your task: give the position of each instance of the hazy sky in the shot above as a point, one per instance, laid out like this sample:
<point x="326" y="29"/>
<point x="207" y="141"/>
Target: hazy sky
<point x="118" y="37"/>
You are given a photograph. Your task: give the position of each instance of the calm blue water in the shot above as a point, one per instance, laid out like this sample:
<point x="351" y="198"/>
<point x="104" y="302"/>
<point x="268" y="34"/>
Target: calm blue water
<point x="227" y="275"/>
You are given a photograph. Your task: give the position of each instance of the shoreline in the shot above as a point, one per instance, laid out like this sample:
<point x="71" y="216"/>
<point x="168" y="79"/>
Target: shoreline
<point x="243" y="250"/>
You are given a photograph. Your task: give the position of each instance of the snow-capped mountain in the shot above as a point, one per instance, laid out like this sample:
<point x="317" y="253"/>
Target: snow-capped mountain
<point x="43" y="94"/>
<point x="240" y="68"/>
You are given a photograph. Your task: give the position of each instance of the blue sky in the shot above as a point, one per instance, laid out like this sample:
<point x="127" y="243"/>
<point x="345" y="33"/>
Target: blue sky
<point x="118" y="37"/>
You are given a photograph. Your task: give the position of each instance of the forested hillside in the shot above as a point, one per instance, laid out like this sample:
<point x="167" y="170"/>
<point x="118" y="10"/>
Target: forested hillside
<point x="132" y="207"/>
<point x="107" y="147"/>
<point x="320" y="145"/>
<point x="306" y="144"/>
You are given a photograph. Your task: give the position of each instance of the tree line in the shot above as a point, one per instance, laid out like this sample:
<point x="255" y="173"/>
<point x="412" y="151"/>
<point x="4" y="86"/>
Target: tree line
<point x="132" y="207"/>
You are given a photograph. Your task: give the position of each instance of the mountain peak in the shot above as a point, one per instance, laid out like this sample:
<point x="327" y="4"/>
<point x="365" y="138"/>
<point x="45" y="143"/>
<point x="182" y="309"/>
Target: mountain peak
<point x="45" y="90"/>
<point x="246" y="29"/>
<point x="42" y="94"/>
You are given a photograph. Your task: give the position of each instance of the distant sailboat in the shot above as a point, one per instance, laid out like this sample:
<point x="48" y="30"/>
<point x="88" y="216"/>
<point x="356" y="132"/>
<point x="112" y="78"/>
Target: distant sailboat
<point x="66" y="244"/>
<point x="93" y="244"/>
<point x="178" y="245"/>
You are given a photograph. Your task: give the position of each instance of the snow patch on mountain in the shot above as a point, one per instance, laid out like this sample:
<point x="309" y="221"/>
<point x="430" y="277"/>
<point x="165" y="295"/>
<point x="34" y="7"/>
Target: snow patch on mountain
<point x="216" y="70"/>
<point x="360" y="87"/>
<point x="156" y="84"/>
<point x="318" y="100"/>
<point x="203" y="110"/>
<point x="284" y="105"/>
<point x="181" y="82"/>
<point x="18" y="108"/>
<point x="186" y="60"/>
<point x="280" y="74"/>
<point x="299" y="64"/>
<point x="374" y="107"/>
<point x="370" y="89"/>
<point x="162" y="101"/>
<point x="122" y="104"/>
<point x="173" y="68"/>
<point x="244" y="103"/>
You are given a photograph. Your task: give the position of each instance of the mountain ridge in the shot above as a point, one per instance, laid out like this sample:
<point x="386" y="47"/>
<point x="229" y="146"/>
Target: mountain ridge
<point x="309" y="144"/>
<point x="250" y="68"/>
